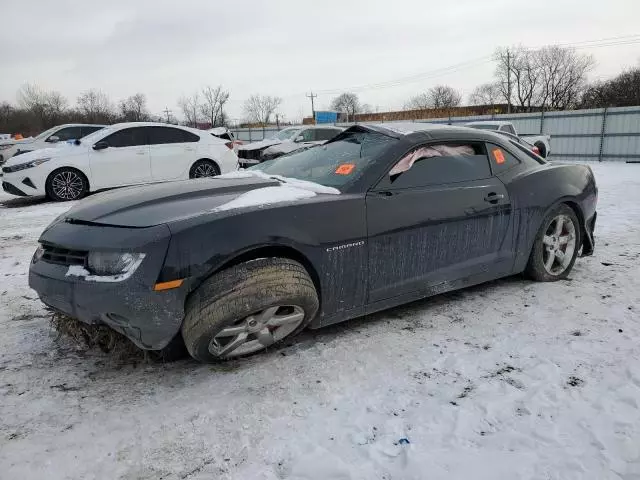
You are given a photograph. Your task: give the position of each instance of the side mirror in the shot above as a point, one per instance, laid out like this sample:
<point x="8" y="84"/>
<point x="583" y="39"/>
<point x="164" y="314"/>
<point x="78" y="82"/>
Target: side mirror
<point x="299" y="138"/>
<point x="53" y="139"/>
<point x="100" y="145"/>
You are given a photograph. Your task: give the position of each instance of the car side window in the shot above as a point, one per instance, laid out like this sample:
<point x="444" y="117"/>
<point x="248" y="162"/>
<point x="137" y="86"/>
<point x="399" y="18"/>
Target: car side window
<point x="508" y="129"/>
<point x="66" y="134"/>
<point x="87" y="130"/>
<point x="438" y="164"/>
<point x="127" y="137"/>
<point x="323" y="134"/>
<point x="164" y="135"/>
<point x="307" y="135"/>
<point x="501" y="159"/>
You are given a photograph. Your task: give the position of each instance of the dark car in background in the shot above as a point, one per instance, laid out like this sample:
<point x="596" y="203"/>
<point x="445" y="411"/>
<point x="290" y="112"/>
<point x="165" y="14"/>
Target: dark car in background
<point x="286" y="140"/>
<point x="379" y="216"/>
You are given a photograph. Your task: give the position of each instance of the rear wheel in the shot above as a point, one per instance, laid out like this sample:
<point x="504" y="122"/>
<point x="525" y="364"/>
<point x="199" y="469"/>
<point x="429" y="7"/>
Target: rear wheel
<point x="66" y="184"/>
<point x="204" y="168"/>
<point x="556" y="246"/>
<point x="247" y="308"/>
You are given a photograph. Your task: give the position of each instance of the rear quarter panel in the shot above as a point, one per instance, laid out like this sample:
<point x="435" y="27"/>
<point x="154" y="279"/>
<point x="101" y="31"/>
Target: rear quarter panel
<point x="534" y="192"/>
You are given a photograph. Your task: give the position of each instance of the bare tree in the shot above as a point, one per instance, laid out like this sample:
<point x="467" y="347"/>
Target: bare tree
<point x="485" y="94"/>
<point x="348" y="103"/>
<point x="418" y="102"/>
<point x="259" y="108"/>
<point x="95" y="106"/>
<point x="563" y="74"/>
<point x="443" y="96"/>
<point x="190" y="107"/>
<point x="440" y="96"/>
<point x="621" y="91"/>
<point x="134" y="108"/>
<point x="45" y="107"/>
<point x="213" y="101"/>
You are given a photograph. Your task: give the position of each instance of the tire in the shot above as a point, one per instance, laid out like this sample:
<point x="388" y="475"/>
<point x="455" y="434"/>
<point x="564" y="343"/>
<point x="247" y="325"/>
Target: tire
<point x="542" y="149"/>
<point x="234" y="313"/>
<point x="66" y="184"/>
<point x="555" y="248"/>
<point x="204" y="168"/>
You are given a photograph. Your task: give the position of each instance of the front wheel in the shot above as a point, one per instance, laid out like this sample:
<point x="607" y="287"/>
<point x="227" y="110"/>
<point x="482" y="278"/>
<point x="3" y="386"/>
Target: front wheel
<point x="66" y="184"/>
<point x="556" y="246"/>
<point x="204" y="168"/>
<point x="247" y="308"/>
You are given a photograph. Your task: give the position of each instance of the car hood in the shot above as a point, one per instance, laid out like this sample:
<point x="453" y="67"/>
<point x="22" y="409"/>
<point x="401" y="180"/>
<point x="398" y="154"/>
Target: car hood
<point x="267" y="142"/>
<point x="17" y="142"/>
<point x="61" y="150"/>
<point x="162" y="203"/>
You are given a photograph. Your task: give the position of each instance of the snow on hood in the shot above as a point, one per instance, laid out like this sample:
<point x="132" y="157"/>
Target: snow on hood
<point x="13" y="141"/>
<point x="288" y="181"/>
<point x="218" y="130"/>
<point x="290" y="191"/>
<point x="266" y="196"/>
<point x="59" y="150"/>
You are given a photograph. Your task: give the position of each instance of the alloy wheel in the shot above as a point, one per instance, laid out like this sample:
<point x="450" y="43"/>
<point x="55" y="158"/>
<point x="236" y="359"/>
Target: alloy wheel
<point x="204" y="170"/>
<point x="67" y="185"/>
<point x="257" y="331"/>
<point x="559" y="245"/>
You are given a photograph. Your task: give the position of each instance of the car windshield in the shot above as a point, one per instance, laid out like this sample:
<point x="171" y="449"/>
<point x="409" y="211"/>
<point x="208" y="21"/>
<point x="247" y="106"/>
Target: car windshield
<point x="333" y="164"/>
<point x="286" y="134"/>
<point x="97" y="135"/>
<point x="46" y="133"/>
<point x="485" y="126"/>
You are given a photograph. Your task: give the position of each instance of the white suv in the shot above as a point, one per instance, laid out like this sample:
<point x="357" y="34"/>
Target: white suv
<point x="119" y="155"/>
<point x="61" y="133"/>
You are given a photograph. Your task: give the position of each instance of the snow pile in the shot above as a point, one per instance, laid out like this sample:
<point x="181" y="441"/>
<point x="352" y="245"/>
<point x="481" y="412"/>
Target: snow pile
<point x="307" y="185"/>
<point x="266" y="196"/>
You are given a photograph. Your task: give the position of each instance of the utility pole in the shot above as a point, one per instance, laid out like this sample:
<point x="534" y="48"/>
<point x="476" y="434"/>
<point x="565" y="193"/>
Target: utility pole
<point x="313" y="110"/>
<point x="509" y="80"/>
<point x="167" y="112"/>
<point x="278" y="121"/>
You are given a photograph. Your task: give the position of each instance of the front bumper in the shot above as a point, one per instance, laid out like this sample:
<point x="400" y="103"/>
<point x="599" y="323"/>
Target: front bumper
<point x="589" y="242"/>
<point x="23" y="184"/>
<point x="148" y="318"/>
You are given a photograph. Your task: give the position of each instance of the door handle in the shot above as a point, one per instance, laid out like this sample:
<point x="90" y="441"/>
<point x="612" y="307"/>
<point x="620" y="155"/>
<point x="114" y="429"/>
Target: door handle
<point x="493" y="197"/>
<point x="140" y="153"/>
<point x="190" y="149"/>
<point x="385" y="193"/>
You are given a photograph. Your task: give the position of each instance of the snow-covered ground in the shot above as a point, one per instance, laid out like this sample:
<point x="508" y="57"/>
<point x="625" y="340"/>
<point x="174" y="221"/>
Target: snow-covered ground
<point x="509" y="380"/>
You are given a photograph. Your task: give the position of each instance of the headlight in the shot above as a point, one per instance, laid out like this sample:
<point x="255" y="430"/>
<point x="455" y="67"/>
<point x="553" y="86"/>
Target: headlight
<point x="109" y="264"/>
<point x="38" y="254"/>
<point x="4" y="147"/>
<point x="23" y="166"/>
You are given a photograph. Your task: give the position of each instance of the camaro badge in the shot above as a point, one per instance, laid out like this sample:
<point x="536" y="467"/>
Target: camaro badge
<point x="345" y="246"/>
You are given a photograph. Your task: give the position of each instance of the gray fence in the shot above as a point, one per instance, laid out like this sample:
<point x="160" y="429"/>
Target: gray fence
<point x="602" y="134"/>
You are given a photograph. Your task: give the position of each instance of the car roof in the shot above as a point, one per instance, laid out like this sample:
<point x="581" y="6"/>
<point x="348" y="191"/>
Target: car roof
<point x="418" y="131"/>
<point x="490" y="122"/>
<point x="64" y="125"/>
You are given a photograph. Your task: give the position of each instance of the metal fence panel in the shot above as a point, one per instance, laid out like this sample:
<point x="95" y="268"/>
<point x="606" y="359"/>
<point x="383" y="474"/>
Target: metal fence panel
<point x="611" y="134"/>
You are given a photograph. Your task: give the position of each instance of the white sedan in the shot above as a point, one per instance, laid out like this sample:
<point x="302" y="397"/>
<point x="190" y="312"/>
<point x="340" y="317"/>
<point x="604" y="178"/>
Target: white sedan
<point x="118" y="155"/>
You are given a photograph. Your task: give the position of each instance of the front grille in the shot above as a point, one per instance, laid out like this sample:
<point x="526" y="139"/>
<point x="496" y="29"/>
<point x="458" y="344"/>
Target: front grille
<point x="250" y="154"/>
<point x="63" y="256"/>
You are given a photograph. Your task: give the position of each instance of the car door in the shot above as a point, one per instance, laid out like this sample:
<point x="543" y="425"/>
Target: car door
<point x="437" y="216"/>
<point x="172" y="152"/>
<point x="124" y="160"/>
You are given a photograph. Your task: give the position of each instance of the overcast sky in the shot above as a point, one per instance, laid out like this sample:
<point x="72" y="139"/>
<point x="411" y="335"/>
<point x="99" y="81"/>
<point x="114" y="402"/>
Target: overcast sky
<point x="169" y="48"/>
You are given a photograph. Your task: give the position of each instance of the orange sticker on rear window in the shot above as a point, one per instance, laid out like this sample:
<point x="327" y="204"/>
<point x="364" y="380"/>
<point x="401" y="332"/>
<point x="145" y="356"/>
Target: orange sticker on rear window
<point x="498" y="155"/>
<point x="345" y="169"/>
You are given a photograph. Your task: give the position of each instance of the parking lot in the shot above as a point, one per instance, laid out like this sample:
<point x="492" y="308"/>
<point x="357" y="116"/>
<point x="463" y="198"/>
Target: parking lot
<point x="511" y="379"/>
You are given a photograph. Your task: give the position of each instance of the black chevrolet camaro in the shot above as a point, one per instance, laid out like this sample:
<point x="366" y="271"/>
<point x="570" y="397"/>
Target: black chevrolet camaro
<point x="379" y="216"/>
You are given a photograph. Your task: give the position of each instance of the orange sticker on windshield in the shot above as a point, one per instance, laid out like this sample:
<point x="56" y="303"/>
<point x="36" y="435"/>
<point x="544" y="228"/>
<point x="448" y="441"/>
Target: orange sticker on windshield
<point x="345" y="169"/>
<point x="498" y="155"/>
